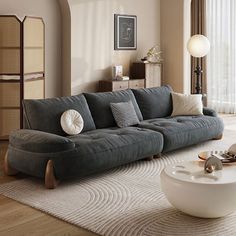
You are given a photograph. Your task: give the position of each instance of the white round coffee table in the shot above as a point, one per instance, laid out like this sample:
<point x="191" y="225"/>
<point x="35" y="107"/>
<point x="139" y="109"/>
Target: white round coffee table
<point x="189" y="189"/>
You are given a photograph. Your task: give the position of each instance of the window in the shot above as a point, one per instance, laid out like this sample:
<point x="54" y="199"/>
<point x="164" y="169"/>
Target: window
<point x="221" y="60"/>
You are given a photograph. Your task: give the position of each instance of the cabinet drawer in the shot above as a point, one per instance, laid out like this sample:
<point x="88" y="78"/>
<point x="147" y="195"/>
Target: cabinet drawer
<point x="136" y="84"/>
<point x="119" y="85"/>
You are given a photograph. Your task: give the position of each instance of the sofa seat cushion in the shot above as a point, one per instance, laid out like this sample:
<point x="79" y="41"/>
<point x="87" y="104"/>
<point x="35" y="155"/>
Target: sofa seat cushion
<point x="123" y="139"/>
<point x="181" y="131"/>
<point x="99" y="104"/>
<point x="107" y="148"/>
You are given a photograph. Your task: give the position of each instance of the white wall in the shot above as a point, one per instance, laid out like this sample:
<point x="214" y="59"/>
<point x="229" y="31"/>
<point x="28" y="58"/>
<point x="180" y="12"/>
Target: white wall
<point x="50" y="12"/>
<point x="92" y="38"/>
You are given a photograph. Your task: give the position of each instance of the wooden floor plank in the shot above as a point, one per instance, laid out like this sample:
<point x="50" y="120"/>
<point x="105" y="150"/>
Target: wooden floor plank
<point x="18" y="219"/>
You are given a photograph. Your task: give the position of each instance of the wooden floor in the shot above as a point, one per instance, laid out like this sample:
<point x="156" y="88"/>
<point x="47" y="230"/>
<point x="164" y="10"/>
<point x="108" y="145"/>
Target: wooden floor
<point x="17" y="219"/>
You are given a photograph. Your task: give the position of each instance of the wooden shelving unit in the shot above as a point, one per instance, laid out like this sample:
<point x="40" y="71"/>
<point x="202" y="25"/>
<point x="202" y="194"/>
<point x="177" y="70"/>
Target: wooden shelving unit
<point x="22" y="68"/>
<point x="151" y="72"/>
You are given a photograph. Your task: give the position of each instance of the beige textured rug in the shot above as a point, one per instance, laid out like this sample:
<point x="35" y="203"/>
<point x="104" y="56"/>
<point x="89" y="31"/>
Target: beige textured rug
<point x="124" y="201"/>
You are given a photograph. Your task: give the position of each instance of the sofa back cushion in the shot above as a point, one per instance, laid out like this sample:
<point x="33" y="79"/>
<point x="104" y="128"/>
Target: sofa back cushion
<point x="44" y="114"/>
<point x="99" y="104"/>
<point x="154" y="102"/>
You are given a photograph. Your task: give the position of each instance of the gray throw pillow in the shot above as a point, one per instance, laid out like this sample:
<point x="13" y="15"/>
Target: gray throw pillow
<point x="124" y="114"/>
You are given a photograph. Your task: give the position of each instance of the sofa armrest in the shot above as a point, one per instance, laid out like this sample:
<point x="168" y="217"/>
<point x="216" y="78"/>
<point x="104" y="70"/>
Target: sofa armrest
<point x="38" y="141"/>
<point x="209" y="112"/>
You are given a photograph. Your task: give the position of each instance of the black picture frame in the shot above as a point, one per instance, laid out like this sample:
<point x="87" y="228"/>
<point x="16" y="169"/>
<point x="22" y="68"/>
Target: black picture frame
<point x="125" y="32"/>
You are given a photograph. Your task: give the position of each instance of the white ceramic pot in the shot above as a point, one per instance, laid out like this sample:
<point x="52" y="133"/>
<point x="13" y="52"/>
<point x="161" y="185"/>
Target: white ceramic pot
<point x="189" y="189"/>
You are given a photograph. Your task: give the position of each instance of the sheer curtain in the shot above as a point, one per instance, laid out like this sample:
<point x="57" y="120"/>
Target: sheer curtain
<point x="221" y="60"/>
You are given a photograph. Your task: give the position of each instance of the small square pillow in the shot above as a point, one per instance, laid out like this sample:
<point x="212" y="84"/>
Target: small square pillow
<point x="187" y="104"/>
<point x="124" y="114"/>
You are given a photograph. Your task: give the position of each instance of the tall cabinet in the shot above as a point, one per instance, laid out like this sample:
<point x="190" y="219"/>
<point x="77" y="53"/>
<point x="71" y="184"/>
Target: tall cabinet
<point x="22" y="68"/>
<point x="151" y="72"/>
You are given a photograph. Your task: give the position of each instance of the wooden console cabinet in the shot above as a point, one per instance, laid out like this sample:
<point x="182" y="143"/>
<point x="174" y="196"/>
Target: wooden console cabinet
<point x="115" y="85"/>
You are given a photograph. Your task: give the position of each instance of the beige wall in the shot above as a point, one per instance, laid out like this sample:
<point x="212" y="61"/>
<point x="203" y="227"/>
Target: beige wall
<point x="50" y="11"/>
<point x="88" y="38"/>
<point x="172" y="42"/>
<point x="175" y="31"/>
<point x="66" y="47"/>
<point x="186" y="56"/>
<point x="92" y="38"/>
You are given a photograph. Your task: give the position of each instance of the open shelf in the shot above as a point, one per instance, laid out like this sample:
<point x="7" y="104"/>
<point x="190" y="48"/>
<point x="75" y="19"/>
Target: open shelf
<point x="22" y="70"/>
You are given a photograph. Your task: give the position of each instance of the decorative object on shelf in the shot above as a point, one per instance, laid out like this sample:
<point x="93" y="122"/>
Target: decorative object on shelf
<point x="151" y="72"/>
<point x="154" y="55"/>
<point x="198" y="46"/>
<point x="144" y="60"/>
<point x="125" y="29"/>
<point x="22" y="68"/>
<point x="117" y="71"/>
<point x="122" y="78"/>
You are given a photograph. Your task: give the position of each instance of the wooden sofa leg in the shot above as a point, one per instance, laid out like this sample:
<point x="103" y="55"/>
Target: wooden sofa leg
<point x="157" y="155"/>
<point x="50" y="180"/>
<point x="218" y="137"/>
<point x="149" y="158"/>
<point x="7" y="169"/>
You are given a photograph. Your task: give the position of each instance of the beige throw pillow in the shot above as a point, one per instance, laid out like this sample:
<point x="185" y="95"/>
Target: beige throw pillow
<point x="186" y="104"/>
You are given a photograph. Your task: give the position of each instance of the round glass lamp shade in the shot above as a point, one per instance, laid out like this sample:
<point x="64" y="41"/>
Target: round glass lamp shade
<point x="198" y="45"/>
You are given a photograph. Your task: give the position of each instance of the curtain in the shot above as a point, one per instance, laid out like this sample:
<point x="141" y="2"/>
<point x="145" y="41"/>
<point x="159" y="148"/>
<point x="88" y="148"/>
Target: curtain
<point x="221" y="60"/>
<point x="198" y="27"/>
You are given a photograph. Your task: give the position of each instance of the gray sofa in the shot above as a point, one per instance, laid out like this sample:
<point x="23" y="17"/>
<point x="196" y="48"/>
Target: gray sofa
<point x="43" y="150"/>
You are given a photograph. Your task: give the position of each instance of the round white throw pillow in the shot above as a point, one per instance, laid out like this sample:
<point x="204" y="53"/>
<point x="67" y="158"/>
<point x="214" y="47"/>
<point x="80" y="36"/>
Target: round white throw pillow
<point x="72" y="122"/>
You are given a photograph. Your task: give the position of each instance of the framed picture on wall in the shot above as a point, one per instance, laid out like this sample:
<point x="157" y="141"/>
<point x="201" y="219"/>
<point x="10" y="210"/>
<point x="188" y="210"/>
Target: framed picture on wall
<point x="125" y="37"/>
